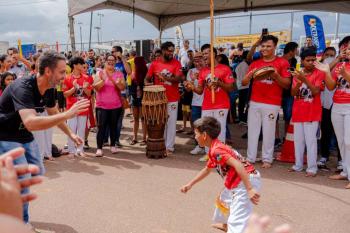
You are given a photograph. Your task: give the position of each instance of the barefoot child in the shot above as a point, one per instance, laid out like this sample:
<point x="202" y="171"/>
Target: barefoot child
<point x="242" y="181"/>
<point x="307" y="112"/>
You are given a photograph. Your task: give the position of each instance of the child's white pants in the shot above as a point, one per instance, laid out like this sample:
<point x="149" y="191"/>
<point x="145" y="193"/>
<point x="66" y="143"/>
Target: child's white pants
<point x="264" y="115"/>
<point x="240" y="205"/>
<point x="305" y="135"/>
<point x="44" y="139"/>
<point x="77" y="125"/>
<point x="170" y="127"/>
<point x="341" y="125"/>
<point x="221" y="116"/>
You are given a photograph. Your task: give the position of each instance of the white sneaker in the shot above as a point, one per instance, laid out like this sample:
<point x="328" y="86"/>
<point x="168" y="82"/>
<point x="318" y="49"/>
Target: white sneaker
<point x="197" y="150"/>
<point x="205" y="158"/>
<point x="340" y="166"/>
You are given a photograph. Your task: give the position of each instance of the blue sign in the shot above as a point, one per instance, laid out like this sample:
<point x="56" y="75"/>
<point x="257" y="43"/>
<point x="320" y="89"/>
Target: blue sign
<point x="314" y="28"/>
<point x="28" y="49"/>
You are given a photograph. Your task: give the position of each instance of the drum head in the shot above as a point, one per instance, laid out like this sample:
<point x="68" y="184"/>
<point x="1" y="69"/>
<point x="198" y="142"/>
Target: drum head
<point x="263" y="73"/>
<point x="154" y="88"/>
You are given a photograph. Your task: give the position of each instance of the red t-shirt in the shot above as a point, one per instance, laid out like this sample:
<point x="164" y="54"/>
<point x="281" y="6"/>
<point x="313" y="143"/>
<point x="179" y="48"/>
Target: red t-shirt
<point x="79" y="93"/>
<point x="306" y="107"/>
<point x="168" y="69"/>
<point x="222" y="100"/>
<point x="219" y="153"/>
<point x="342" y="93"/>
<point x="267" y="91"/>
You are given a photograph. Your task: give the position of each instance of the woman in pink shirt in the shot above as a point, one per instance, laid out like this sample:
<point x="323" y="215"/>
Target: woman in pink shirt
<point x="108" y="85"/>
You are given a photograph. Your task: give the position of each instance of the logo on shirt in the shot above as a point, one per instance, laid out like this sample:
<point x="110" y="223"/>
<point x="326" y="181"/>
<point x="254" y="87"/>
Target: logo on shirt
<point x="271" y="116"/>
<point x="268" y="81"/>
<point x="343" y="85"/>
<point x="208" y="80"/>
<point x="221" y="113"/>
<point x="305" y="93"/>
<point x="173" y="107"/>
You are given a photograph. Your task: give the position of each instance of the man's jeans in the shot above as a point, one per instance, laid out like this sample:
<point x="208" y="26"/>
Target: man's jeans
<point x="31" y="156"/>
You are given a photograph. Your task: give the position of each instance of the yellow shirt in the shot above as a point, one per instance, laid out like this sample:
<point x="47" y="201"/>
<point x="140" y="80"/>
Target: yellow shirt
<point x="132" y="67"/>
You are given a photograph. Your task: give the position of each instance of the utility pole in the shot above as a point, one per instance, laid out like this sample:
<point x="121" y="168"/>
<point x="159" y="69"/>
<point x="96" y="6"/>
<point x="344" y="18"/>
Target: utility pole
<point x="81" y="37"/>
<point x="100" y="15"/>
<point x="291" y="25"/>
<point x="98" y="34"/>
<point x="199" y="37"/>
<point x="90" y="29"/>
<point x="194" y="34"/>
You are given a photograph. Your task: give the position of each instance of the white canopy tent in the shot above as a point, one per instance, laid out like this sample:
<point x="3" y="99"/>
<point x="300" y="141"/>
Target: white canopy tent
<point x="165" y="14"/>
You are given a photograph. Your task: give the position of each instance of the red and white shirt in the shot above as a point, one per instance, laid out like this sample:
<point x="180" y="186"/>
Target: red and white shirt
<point x="222" y="100"/>
<point x="219" y="153"/>
<point x="308" y="107"/>
<point x="79" y="92"/>
<point x="342" y="93"/>
<point x="168" y="69"/>
<point x="267" y="91"/>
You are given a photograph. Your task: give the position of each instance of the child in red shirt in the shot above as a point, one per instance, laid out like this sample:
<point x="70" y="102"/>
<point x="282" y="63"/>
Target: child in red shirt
<point x="77" y="86"/>
<point x="242" y="181"/>
<point x="307" y="112"/>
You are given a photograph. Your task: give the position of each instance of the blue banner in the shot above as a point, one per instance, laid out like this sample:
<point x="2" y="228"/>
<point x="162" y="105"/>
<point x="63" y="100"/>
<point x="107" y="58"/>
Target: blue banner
<point x="314" y="28"/>
<point x="28" y="49"/>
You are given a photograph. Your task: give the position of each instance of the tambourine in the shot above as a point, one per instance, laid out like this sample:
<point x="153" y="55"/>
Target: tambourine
<point x="263" y="73"/>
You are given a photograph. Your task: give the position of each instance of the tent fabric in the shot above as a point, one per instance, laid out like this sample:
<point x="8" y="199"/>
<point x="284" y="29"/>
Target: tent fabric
<point x="165" y="14"/>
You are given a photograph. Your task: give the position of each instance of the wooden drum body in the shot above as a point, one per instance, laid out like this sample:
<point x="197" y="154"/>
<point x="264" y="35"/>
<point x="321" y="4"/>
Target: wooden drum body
<point x="155" y="115"/>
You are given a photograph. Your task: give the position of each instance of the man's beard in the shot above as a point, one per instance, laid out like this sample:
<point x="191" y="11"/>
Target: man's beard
<point x="168" y="58"/>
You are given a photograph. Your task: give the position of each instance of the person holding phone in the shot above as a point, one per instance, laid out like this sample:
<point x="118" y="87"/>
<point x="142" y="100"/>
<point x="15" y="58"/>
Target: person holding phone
<point x="77" y="86"/>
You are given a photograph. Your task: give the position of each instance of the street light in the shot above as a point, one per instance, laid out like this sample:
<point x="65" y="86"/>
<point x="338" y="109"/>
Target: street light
<point x="81" y="37"/>
<point x="100" y="15"/>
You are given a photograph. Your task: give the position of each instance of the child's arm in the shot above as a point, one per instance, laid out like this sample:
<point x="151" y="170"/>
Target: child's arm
<point x="200" y="176"/>
<point x="237" y="165"/>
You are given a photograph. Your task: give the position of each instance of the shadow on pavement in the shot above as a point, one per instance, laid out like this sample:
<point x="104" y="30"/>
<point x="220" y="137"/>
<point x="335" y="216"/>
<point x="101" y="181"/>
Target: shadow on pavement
<point x="54" y="227"/>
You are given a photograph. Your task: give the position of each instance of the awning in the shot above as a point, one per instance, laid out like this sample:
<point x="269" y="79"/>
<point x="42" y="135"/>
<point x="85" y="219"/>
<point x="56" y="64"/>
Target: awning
<point x="164" y="14"/>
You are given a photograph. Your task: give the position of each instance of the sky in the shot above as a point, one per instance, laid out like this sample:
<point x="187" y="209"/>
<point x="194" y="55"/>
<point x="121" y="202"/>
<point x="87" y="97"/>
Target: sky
<point x="46" y="21"/>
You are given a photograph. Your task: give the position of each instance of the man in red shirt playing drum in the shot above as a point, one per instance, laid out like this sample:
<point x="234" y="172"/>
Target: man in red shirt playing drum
<point x="166" y="71"/>
<point x="307" y="111"/>
<point x="265" y="100"/>
<point x="223" y="83"/>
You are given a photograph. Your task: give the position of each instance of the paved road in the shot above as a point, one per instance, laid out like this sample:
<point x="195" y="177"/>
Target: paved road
<point x="128" y="193"/>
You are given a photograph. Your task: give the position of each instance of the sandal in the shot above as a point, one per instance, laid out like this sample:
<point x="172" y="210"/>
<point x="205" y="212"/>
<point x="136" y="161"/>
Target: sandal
<point x="143" y="143"/>
<point x="133" y="142"/>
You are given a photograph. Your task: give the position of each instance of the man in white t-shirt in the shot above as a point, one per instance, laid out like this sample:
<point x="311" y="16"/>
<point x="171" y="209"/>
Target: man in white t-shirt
<point x="183" y="57"/>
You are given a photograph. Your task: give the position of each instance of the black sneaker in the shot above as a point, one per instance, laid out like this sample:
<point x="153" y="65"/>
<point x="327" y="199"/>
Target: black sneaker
<point x="86" y="145"/>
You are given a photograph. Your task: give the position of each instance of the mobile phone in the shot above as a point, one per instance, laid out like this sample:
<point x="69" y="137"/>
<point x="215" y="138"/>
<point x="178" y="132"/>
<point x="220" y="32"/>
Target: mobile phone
<point x="264" y="32"/>
<point x="291" y="69"/>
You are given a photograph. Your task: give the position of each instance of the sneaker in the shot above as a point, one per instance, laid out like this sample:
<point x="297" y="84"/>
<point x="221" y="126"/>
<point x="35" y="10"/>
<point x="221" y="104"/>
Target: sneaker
<point x="99" y="153"/>
<point x="197" y="150"/>
<point x="114" y="150"/>
<point x="65" y="147"/>
<point x="243" y="123"/>
<point x="205" y="158"/>
<point x="340" y="166"/>
<point x="321" y="164"/>
<point x="86" y="145"/>
<point x="278" y="143"/>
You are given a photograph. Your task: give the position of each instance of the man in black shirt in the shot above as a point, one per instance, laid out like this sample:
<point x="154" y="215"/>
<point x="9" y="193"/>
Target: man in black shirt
<point x="20" y="103"/>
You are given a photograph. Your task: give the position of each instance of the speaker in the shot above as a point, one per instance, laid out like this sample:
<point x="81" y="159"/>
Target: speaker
<point x="144" y="48"/>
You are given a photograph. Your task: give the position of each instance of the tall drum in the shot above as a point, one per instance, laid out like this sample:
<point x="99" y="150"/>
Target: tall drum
<point x="154" y="112"/>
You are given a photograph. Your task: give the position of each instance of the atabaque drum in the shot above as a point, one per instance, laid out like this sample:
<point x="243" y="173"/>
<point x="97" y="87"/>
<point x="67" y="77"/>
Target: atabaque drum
<point x="155" y="115"/>
<point x="263" y="73"/>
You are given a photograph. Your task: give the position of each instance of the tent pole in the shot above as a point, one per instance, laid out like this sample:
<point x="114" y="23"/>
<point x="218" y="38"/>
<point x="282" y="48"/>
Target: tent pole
<point x="291" y="25"/>
<point x="212" y="48"/>
<point x="194" y="34"/>
<point x="337" y="18"/>
<point x="71" y="32"/>
<point x="160" y="37"/>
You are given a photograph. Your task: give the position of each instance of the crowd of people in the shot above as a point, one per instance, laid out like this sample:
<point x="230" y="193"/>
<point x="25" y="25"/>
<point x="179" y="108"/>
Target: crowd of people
<point x="85" y="92"/>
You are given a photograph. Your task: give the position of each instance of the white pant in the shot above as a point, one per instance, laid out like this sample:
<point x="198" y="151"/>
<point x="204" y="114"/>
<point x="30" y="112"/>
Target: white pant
<point x="240" y="205"/>
<point x="264" y="115"/>
<point x="170" y="127"/>
<point x="221" y="116"/>
<point x="305" y="134"/>
<point x="341" y="125"/>
<point x="77" y="125"/>
<point x="44" y="140"/>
